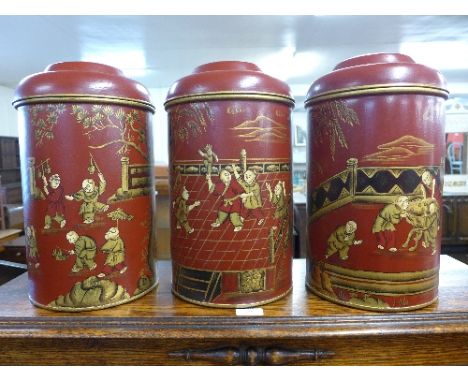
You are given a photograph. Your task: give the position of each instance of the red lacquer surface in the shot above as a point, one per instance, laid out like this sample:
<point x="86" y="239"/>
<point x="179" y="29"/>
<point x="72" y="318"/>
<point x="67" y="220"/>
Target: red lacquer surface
<point x="375" y="182"/>
<point x="87" y="186"/>
<point x="227" y="249"/>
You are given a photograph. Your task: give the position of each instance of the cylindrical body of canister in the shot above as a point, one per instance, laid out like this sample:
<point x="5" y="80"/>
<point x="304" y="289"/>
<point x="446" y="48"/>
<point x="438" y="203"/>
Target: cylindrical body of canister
<point x="88" y="188"/>
<point x="230" y="182"/>
<point x="375" y="165"/>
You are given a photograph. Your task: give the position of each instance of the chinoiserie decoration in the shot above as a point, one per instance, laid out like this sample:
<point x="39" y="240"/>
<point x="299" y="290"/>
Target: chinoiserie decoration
<point x="230" y="181"/>
<point x="87" y="186"/>
<point x="376" y="156"/>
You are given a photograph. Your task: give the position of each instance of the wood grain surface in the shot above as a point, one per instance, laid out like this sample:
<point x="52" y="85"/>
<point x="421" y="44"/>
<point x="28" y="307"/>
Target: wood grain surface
<point x="160" y="329"/>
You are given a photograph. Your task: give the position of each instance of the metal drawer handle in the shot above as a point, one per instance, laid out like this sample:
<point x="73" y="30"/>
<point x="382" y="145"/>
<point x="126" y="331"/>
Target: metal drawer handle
<point x="250" y="356"/>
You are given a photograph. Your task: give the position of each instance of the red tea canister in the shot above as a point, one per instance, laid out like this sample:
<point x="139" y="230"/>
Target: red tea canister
<point x="376" y="156"/>
<point x="88" y="191"/>
<point x="230" y="182"/>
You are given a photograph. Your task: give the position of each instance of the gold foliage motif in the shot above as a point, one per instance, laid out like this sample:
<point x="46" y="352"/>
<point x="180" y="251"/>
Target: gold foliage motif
<point x="328" y="118"/>
<point x="190" y="120"/>
<point x="129" y="125"/>
<point x="92" y="292"/>
<point x="43" y="119"/>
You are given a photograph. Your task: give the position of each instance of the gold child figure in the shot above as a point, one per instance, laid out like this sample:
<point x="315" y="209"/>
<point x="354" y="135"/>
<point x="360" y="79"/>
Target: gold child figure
<point x="208" y="158"/>
<point x="278" y="199"/>
<point x="384" y="224"/>
<point x="183" y="210"/>
<point x="84" y="250"/>
<point x="55" y="196"/>
<point x="431" y="227"/>
<point x="114" y="249"/>
<point x="341" y="240"/>
<point x="89" y="194"/>
<point x="230" y="205"/>
<point x="252" y="201"/>
<point x="31" y="244"/>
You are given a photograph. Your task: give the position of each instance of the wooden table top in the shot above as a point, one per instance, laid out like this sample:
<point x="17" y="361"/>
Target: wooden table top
<point x="161" y="307"/>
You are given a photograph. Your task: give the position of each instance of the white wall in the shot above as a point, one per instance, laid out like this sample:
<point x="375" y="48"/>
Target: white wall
<point x="160" y="126"/>
<point x="8" y="116"/>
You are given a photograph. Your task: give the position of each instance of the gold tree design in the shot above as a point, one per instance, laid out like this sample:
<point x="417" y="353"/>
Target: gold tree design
<point x="128" y="124"/>
<point x="43" y="119"/>
<point x="190" y="120"/>
<point x="327" y="119"/>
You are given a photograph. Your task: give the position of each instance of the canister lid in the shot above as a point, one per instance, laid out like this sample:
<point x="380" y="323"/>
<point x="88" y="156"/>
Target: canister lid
<point x="377" y="73"/>
<point x="79" y="81"/>
<point x="228" y="80"/>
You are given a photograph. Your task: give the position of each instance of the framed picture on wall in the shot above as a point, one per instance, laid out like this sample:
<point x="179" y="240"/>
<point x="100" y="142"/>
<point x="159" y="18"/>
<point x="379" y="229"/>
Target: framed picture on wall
<point x="300" y="135"/>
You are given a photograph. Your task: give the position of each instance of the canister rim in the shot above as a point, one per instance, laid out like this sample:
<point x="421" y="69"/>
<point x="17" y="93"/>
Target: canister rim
<point x="229" y="95"/>
<point x="362" y="90"/>
<point x="83" y="98"/>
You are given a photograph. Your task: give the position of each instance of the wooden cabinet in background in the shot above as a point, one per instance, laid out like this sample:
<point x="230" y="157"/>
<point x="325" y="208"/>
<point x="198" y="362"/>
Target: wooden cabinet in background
<point x="454" y="222"/>
<point x="10" y="174"/>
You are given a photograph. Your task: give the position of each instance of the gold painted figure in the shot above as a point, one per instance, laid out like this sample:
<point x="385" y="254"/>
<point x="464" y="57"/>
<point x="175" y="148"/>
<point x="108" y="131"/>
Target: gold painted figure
<point x="84" y="250"/>
<point x="208" y="158"/>
<point x="432" y="226"/>
<point x="342" y="239"/>
<point x="428" y="184"/>
<point x="230" y="193"/>
<point x="278" y="198"/>
<point x="252" y="201"/>
<point x="114" y="248"/>
<point x="31" y="243"/>
<point x="183" y="210"/>
<point x="55" y="196"/>
<point x="89" y="194"/>
<point x="384" y="224"/>
<point x="423" y="215"/>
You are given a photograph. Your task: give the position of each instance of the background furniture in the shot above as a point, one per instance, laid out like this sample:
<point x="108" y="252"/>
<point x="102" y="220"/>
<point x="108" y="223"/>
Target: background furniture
<point x="455" y="157"/>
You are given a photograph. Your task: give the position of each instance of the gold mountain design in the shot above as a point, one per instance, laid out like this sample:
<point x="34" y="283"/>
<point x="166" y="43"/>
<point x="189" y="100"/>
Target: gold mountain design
<point x="396" y="153"/>
<point x="409" y="142"/>
<point x="400" y="149"/>
<point x="262" y="129"/>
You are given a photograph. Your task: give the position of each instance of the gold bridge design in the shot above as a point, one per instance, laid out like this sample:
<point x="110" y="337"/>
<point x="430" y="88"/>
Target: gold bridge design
<point x="367" y="185"/>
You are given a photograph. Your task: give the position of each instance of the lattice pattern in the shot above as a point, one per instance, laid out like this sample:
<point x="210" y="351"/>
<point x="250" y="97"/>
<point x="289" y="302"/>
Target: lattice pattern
<point x="222" y="249"/>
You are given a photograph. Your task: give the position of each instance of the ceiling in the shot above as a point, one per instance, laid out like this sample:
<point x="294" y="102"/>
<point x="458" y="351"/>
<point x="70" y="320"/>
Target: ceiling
<point x="157" y="50"/>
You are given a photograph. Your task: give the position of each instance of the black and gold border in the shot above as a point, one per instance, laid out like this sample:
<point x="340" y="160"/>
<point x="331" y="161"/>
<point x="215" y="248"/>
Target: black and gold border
<point x="229" y="95"/>
<point x="383" y="276"/>
<point x="194" y="168"/>
<point x="84" y="98"/>
<point x="368" y="307"/>
<point x="377" y="89"/>
<point x="385" y="284"/>
<point x="225" y="305"/>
